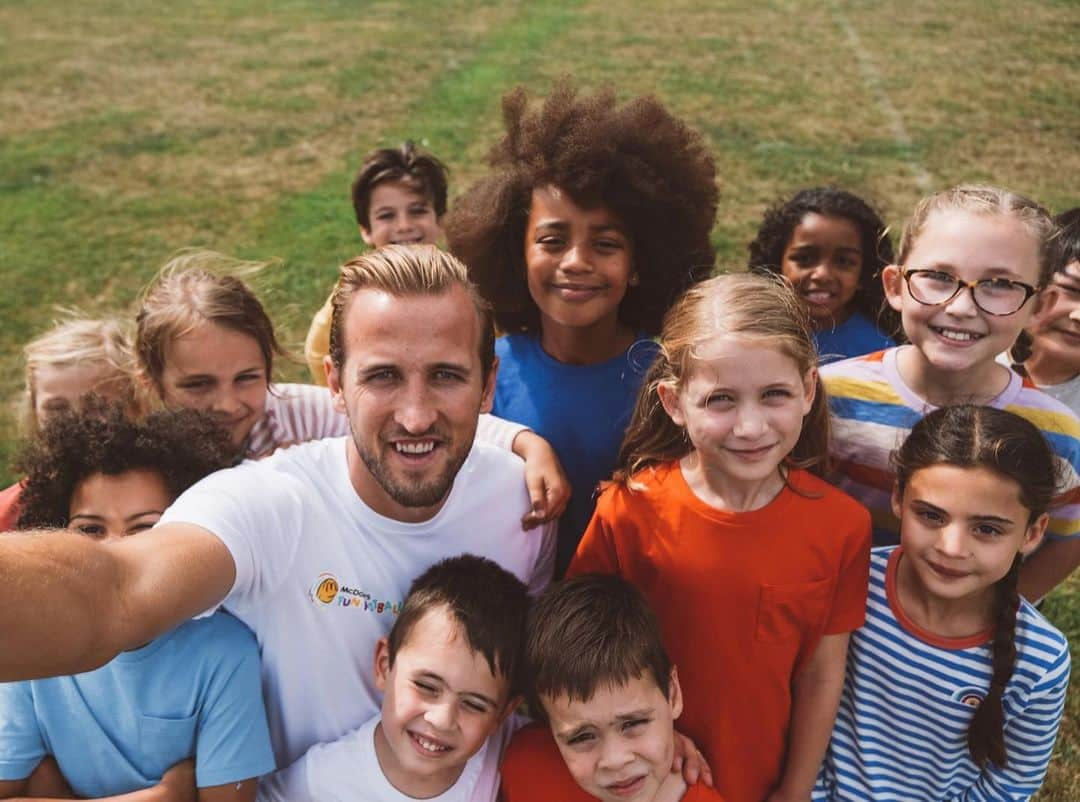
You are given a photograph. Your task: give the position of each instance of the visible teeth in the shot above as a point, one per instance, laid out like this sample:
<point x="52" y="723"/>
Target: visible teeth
<point x="415" y="448"/>
<point x="960" y="336"/>
<point x="430" y="746"/>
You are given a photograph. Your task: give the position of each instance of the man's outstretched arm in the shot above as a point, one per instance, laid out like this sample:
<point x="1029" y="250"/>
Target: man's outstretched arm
<point x="69" y="603"/>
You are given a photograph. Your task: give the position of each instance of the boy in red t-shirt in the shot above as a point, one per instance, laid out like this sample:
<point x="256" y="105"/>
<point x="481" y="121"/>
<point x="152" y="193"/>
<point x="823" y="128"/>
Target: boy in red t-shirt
<point x="601" y="679"/>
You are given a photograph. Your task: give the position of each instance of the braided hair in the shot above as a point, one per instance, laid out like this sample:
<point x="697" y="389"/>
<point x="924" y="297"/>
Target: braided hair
<point x="969" y="436"/>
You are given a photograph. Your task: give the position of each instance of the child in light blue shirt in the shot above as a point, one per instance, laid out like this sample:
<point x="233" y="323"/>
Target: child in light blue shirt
<point x="191" y="694"/>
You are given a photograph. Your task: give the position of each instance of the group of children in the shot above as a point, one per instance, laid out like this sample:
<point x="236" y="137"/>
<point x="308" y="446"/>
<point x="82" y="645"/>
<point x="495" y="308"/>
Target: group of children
<point x="722" y="580"/>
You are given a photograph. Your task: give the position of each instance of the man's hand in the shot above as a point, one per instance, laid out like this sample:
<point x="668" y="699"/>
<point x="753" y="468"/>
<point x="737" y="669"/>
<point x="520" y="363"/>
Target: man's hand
<point x="549" y="489"/>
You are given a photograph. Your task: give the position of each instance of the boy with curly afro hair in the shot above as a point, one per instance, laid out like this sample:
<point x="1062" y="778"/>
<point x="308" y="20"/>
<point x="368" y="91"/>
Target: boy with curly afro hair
<point x="183" y="713"/>
<point x="594" y="218"/>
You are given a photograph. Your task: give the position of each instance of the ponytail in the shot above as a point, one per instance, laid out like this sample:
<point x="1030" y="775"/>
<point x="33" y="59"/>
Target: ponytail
<point x="652" y="437"/>
<point x="986" y="733"/>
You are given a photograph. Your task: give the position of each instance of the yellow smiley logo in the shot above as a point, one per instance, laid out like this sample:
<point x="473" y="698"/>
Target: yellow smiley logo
<point x="326" y="590"/>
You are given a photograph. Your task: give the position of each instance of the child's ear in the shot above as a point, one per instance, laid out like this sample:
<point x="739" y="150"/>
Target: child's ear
<point x="675" y="694"/>
<point x="810" y="382"/>
<point x="382" y="664"/>
<point x="333" y="382"/>
<point x="1033" y="537"/>
<point x="892" y="281"/>
<point x="669" y="398"/>
<point x="365" y="235"/>
<point x="897" y="500"/>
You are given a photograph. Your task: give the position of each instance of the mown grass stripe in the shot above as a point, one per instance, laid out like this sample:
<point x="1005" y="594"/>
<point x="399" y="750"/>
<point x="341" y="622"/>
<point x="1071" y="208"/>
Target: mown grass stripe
<point x="314" y="231"/>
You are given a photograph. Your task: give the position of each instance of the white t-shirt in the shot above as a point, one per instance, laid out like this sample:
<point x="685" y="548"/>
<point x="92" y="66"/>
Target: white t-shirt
<point x="320" y="576"/>
<point x="347" y="770"/>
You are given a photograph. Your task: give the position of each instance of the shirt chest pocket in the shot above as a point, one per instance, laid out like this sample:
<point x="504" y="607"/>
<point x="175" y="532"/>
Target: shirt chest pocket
<point x="166" y="741"/>
<point x="791" y="612"/>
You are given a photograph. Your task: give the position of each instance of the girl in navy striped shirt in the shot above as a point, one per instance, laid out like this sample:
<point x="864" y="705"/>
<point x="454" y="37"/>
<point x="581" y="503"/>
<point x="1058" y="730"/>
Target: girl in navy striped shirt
<point x="955" y="685"/>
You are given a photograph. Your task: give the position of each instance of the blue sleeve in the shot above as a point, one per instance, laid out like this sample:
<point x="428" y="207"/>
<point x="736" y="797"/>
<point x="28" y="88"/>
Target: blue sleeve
<point x="233" y="740"/>
<point x="1029" y="740"/>
<point x="21" y="744"/>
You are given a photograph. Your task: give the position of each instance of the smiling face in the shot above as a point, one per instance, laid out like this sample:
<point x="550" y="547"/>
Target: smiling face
<point x="412" y="388"/>
<point x="578" y="261"/>
<point x="441" y="701"/>
<point x="823" y="260"/>
<point x="109" y="507"/>
<point x="957" y="338"/>
<point x="619" y="744"/>
<point x="1056" y="326"/>
<point x="220" y="370"/>
<point x="400" y="215"/>
<point x="961" y="529"/>
<point x="742" y="405"/>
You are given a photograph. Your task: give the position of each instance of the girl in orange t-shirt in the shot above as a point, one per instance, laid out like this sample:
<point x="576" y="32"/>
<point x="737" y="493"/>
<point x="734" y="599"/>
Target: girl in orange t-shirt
<point x="756" y="567"/>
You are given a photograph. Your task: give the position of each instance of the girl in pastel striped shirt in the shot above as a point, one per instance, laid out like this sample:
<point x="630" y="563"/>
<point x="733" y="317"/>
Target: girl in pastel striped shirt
<point x="972" y="263"/>
<point x="955" y="685"/>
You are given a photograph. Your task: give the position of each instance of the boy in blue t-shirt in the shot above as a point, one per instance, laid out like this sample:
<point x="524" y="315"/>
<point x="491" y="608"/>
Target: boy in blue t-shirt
<point x="193" y="694"/>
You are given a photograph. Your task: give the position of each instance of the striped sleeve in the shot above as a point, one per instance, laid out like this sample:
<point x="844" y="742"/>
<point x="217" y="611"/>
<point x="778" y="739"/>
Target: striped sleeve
<point x="869" y="420"/>
<point x="498" y="431"/>
<point x="1032" y="719"/>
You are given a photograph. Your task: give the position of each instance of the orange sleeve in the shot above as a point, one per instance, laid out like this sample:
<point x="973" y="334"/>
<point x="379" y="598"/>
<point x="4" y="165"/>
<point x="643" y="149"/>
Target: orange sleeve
<point x="702" y="793"/>
<point x="596" y="551"/>
<point x="849" y="605"/>
<point x="533" y="770"/>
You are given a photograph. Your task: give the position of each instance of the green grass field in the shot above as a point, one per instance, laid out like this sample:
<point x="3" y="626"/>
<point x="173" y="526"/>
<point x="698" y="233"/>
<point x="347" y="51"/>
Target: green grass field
<point x="130" y="129"/>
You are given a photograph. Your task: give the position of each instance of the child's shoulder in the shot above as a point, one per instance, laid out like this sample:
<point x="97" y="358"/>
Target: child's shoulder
<point x="811" y="489"/>
<point x="647" y="486"/>
<point x="869" y="378"/>
<point x="219" y="635"/>
<point x="1051" y="415"/>
<point x="533" y="769"/>
<point x="699" y="792"/>
<point x="866" y="364"/>
<point x="1039" y="640"/>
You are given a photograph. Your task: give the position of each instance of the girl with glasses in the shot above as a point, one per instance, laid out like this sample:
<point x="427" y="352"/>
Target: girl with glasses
<point x="971" y="264"/>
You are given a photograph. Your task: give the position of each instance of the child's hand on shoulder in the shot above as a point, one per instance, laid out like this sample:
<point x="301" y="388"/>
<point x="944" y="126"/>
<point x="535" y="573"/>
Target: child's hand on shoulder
<point x="689" y="762"/>
<point x="549" y="489"/>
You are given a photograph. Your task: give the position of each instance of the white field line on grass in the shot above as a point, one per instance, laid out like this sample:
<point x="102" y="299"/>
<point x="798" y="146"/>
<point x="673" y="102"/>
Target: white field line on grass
<point x="873" y="79"/>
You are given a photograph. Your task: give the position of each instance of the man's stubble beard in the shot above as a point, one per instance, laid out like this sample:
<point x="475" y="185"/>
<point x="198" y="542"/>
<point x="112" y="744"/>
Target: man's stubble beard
<point x="423" y="495"/>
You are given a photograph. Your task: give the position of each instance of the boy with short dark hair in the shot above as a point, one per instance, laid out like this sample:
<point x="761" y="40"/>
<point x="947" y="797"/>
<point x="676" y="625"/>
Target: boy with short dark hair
<point x="1050" y="353"/>
<point x="451" y="675"/>
<point x="600" y="676"/>
<point x="399" y="196"/>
